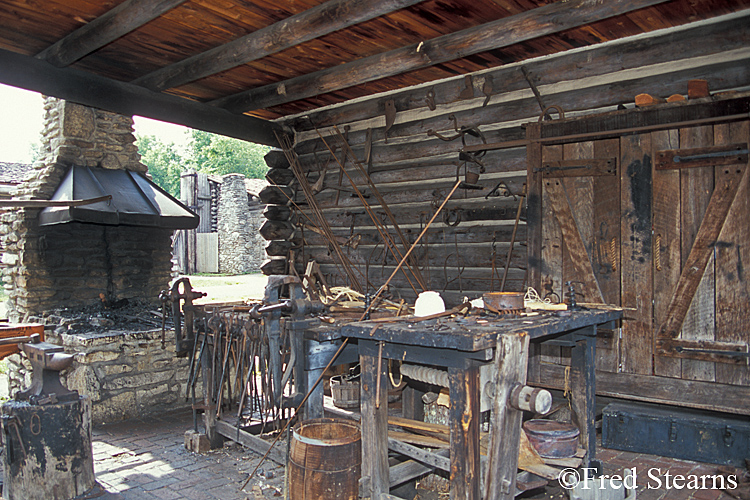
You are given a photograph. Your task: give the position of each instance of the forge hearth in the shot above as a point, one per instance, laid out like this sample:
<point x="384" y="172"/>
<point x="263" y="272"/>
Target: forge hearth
<point x="121" y="362"/>
<point x="123" y="315"/>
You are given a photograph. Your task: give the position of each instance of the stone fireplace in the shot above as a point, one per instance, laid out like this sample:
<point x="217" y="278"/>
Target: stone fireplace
<point x="74" y="264"/>
<point x="74" y="268"/>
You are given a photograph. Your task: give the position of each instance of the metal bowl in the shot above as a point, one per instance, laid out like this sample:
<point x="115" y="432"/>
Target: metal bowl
<point x="503" y="300"/>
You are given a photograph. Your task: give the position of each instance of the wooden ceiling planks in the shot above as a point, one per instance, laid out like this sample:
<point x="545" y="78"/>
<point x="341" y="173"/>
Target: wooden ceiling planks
<point x="196" y="26"/>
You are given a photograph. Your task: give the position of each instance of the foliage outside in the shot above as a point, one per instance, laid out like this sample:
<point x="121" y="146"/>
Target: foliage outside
<point x="206" y="152"/>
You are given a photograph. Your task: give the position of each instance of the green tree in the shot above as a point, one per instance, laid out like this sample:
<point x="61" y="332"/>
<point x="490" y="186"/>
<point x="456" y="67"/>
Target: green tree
<point x="164" y="162"/>
<point x="221" y="155"/>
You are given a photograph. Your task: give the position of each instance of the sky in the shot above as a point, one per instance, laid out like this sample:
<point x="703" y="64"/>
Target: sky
<point x="22" y="118"/>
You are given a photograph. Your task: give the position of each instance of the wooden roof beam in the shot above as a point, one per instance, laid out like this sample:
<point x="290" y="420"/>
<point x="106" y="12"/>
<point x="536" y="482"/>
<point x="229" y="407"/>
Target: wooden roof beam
<point x="126" y="99"/>
<point x="535" y="23"/>
<point x="126" y="17"/>
<point x="305" y="26"/>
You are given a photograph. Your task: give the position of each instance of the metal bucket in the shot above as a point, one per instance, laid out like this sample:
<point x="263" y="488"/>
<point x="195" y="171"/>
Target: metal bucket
<point x="325" y="460"/>
<point x="552" y="439"/>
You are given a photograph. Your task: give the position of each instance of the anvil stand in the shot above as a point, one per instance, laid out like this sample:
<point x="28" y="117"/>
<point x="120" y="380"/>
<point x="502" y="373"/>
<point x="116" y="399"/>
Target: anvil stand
<point x="47" y="433"/>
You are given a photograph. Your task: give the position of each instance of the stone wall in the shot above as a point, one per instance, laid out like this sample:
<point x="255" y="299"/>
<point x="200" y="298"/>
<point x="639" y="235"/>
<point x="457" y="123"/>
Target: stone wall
<point x="126" y="374"/>
<point x="45" y="267"/>
<point x="235" y="244"/>
<point x="71" y="265"/>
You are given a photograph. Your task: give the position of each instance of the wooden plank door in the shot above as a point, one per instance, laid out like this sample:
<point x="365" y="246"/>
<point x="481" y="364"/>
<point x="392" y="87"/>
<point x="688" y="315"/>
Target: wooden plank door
<point x="580" y="233"/>
<point x="701" y="203"/>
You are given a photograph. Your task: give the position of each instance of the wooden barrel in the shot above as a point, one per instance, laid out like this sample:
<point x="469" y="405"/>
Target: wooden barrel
<point x="325" y="460"/>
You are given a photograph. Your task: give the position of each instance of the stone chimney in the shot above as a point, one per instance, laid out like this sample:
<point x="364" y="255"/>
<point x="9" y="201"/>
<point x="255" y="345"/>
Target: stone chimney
<point x="72" y="264"/>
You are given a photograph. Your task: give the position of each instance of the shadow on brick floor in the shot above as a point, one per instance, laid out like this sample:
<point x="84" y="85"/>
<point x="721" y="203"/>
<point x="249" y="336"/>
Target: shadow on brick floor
<point x="146" y="459"/>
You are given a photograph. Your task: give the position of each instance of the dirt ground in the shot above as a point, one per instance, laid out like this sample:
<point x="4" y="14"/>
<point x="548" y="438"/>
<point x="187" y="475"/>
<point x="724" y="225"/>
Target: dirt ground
<point x="229" y="288"/>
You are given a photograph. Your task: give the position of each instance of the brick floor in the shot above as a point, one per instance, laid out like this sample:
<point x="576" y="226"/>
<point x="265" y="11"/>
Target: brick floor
<point x="145" y="459"/>
<point x="655" y="477"/>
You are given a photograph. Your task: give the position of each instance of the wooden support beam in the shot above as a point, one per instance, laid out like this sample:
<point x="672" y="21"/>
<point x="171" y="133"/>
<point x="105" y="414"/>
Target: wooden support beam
<point x="126" y="17"/>
<point x="710" y="37"/>
<point x="572" y="238"/>
<point x="303" y="27"/>
<point x="248" y="440"/>
<point x="126" y="99"/>
<point x="419" y="454"/>
<point x="659" y="390"/>
<point x="504" y="32"/>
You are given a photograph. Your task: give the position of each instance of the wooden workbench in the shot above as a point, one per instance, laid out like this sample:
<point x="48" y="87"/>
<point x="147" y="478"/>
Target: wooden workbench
<point x="462" y="345"/>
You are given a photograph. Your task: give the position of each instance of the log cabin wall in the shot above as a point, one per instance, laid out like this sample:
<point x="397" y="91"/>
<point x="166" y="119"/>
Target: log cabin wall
<point x="398" y="138"/>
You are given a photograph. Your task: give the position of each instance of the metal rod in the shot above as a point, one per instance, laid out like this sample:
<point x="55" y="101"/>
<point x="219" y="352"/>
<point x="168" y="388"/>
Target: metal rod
<point x="52" y="203"/>
<point x="291" y="156"/>
<point x="414" y="245"/>
<point x="389" y="243"/>
<point x="383" y="204"/>
<point x="513" y="238"/>
<point x="533" y="88"/>
<point x="604" y="133"/>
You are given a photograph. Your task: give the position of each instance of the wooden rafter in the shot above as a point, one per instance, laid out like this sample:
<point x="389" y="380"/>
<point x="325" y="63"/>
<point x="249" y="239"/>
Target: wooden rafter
<point x="126" y="17"/>
<point x="127" y="99"/>
<point x="303" y="27"/>
<point x="504" y="32"/>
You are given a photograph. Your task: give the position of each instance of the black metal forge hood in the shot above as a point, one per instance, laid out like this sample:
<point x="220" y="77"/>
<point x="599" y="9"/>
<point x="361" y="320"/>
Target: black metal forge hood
<point x="136" y="201"/>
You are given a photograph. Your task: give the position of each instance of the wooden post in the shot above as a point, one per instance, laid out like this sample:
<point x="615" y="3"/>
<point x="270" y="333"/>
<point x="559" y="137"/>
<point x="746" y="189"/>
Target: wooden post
<point x="511" y="359"/>
<point x="374" y="421"/>
<point x="583" y="393"/>
<point x="534" y="231"/>
<point x="188" y="197"/>
<point x="203" y="203"/>
<point x="465" y="417"/>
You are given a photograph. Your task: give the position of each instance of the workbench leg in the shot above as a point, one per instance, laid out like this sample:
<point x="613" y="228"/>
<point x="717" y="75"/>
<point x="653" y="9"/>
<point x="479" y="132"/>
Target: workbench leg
<point x="314" y="404"/>
<point x="583" y="395"/>
<point x="511" y="360"/>
<point x="374" y="425"/>
<point x="464" y="428"/>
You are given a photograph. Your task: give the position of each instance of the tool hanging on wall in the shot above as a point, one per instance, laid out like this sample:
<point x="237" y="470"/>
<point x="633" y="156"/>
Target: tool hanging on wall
<point x="538" y="96"/>
<point x="390" y="117"/>
<point x="412" y="266"/>
<point x="487" y="89"/>
<point x="430" y="99"/>
<point x="291" y="156"/>
<point x="384" y="234"/>
<point x="521" y="198"/>
<point x="501" y="189"/>
<point x="468" y="91"/>
<point x="460" y="132"/>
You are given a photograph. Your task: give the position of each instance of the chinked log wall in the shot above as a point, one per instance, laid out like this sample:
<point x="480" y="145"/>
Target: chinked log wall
<point x="414" y="170"/>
